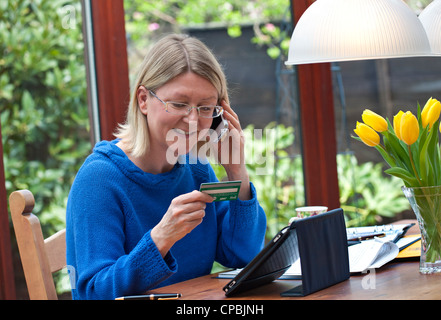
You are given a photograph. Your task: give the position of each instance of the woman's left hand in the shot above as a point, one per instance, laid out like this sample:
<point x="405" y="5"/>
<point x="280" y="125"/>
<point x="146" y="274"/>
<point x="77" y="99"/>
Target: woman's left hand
<point x="231" y="153"/>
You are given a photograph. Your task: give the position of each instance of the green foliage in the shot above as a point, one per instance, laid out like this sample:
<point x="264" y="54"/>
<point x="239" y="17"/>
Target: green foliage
<point x="418" y="5"/>
<point x="43" y="101"/>
<point x="271" y="36"/>
<point x="366" y="195"/>
<point x="184" y="13"/>
<point x="145" y="18"/>
<point x="276" y="175"/>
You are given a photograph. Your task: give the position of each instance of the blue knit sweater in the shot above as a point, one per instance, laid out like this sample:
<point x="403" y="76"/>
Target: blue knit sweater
<point x="112" y="207"/>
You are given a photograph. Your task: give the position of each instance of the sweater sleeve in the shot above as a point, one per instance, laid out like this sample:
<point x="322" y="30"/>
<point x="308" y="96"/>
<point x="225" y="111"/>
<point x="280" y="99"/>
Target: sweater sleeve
<point x="95" y="237"/>
<point x="241" y="229"/>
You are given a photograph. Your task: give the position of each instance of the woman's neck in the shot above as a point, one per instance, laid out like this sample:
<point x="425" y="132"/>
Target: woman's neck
<point x="153" y="162"/>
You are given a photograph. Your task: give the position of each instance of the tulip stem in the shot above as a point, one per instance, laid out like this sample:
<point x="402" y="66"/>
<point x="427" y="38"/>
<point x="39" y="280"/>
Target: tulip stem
<point x="413" y="165"/>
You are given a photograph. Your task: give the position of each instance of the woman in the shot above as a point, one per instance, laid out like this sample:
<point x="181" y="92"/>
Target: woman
<point x="135" y="220"/>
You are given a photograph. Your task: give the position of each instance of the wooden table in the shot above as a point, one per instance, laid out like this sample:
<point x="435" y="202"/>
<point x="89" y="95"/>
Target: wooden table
<point x="394" y="281"/>
<point x="397" y="280"/>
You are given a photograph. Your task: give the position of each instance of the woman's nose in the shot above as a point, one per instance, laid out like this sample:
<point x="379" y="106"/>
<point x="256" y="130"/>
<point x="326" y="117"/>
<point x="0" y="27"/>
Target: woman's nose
<point x="193" y="115"/>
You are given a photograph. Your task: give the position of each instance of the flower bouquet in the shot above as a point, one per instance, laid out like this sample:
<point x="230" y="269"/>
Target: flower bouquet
<point x="411" y="149"/>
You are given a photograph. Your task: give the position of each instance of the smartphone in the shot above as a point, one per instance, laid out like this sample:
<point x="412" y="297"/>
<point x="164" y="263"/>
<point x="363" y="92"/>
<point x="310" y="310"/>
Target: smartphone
<point x="220" y="125"/>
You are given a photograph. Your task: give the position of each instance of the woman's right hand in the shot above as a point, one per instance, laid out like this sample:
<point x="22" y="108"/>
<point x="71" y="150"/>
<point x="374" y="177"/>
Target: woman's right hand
<point x="185" y="213"/>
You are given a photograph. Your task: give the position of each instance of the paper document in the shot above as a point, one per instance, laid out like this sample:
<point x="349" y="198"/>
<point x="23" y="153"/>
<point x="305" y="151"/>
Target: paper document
<point x="367" y="254"/>
<point x="371" y="254"/>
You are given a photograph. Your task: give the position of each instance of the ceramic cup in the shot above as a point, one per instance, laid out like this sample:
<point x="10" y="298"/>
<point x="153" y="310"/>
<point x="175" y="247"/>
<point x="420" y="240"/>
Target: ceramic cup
<point x="309" y="211"/>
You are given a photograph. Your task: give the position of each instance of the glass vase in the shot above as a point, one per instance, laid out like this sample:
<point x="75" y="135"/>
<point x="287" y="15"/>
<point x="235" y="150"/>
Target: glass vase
<point x="426" y="204"/>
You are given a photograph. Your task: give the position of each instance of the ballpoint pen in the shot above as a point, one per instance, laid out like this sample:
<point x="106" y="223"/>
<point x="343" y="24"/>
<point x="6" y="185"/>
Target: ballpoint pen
<point x="154" y="296"/>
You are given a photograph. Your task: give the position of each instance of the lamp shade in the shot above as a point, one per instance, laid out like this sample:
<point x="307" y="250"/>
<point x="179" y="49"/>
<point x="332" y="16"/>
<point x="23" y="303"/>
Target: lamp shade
<point x="342" y="30"/>
<point x="430" y="18"/>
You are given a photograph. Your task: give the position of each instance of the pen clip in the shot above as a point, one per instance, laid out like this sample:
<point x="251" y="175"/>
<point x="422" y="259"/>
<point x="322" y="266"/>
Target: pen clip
<point x="173" y="297"/>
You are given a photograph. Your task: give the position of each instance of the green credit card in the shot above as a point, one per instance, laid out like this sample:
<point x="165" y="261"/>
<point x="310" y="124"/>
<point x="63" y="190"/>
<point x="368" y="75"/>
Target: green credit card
<point x="222" y="191"/>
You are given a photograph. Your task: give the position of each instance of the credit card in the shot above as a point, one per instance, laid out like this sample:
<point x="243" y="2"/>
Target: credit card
<point x="222" y="191"/>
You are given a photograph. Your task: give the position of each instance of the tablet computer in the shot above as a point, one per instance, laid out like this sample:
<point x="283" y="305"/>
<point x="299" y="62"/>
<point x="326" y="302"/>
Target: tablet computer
<point x="271" y="262"/>
<point x="320" y="242"/>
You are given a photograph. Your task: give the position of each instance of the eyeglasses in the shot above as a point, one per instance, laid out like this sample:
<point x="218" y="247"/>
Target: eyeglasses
<point x="184" y="109"/>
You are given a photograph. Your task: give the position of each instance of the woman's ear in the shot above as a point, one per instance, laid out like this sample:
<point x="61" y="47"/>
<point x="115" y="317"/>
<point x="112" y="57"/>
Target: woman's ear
<point x="142" y="95"/>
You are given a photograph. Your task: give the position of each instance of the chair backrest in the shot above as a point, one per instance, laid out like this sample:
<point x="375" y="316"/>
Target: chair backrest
<point x="39" y="257"/>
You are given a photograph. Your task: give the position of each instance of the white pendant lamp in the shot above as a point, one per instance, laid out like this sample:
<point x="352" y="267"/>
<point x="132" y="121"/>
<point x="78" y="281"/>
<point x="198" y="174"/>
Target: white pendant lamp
<point x="343" y="30"/>
<point x="430" y="18"/>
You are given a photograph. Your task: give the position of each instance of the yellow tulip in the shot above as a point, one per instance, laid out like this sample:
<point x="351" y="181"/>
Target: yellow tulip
<point x="397" y="124"/>
<point x="373" y="120"/>
<point x="430" y="113"/>
<point x="409" y="128"/>
<point x="367" y="134"/>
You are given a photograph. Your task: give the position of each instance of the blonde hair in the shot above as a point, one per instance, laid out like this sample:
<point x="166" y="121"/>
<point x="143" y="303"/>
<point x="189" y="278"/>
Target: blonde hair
<point x="171" y="56"/>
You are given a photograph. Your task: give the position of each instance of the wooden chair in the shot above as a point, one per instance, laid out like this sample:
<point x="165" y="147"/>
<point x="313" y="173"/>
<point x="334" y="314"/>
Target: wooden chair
<point x="39" y="257"/>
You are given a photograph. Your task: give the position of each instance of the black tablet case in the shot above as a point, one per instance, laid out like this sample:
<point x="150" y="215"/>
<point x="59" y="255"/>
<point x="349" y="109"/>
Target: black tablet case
<point x="321" y="244"/>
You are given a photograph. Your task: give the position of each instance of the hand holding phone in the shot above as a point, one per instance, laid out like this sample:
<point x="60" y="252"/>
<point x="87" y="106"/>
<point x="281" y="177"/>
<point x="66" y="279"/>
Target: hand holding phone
<point x="231" y="154"/>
